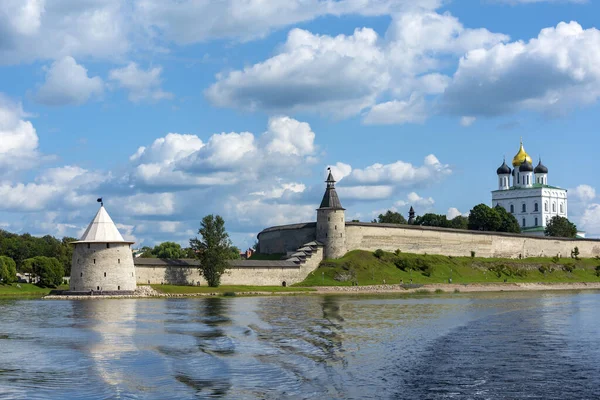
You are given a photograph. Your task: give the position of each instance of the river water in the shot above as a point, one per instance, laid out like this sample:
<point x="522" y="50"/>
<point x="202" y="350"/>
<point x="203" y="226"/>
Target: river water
<point x="460" y="346"/>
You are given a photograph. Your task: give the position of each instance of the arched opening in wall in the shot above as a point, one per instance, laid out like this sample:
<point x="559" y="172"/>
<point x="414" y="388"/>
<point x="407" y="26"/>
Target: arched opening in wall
<point x="512" y="209"/>
<point x="561" y="208"/>
<point x="535" y="207"/>
<point x="536" y="222"/>
<point x="546" y="206"/>
<point x="523" y="222"/>
<point x="108" y="245"/>
<point x="118" y="287"/>
<point x="524" y="208"/>
<point x="88" y="245"/>
<point x="94" y="261"/>
<point x="553" y="207"/>
<point x="105" y="274"/>
<point x="518" y="178"/>
<point x="97" y="287"/>
<point x="81" y="274"/>
<point x="335" y="227"/>
<point x="284" y="284"/>
<point x="118" y="261"/>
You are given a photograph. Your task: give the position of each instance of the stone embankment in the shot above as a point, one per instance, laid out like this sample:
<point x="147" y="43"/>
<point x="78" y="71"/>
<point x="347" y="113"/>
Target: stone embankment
<point x="450" y="288"/>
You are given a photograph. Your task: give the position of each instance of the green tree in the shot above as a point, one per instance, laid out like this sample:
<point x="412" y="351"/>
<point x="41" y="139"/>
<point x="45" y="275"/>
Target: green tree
<point x="431" y="219"/>
<point x="147" y="252"/>
<point x="560" y="227"/>
<point x="509" y="222"/>
<point x="49" y="270"/>
<point x="459" y="222"/>
<point x="168" y="250"/>
<point x="234" y="253"/>
<point x="390" y="217"/>
<point x="484" y="218"/>
<point x="8" y="270"/>
<point x="213" y="249"/>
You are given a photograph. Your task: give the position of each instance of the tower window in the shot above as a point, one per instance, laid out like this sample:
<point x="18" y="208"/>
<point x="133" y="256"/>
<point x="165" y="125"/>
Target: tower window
<point x="325" y="234"/>
<point x="524" y="209"/>
<point x="536" y="222"/>
<point x="335" y="227"/>
<point x="97" y="287"/>
<point x="512" y="208"/>
<point x="88" y="245"/>
<point x="328" y="218"/>
<point x="94" y="261"/>
<point x="108" y="245"/>
<point x="523" y="222"/>
<point x="105" y="274"/>
<point x="118" y="287"/>
<point x="535" y="207"/>
<point x="118" y="261"/>
<point x="81" y="274"/>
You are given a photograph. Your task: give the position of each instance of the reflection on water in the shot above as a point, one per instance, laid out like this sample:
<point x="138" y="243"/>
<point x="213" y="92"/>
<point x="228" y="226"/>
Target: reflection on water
<point x="487" y="346"/>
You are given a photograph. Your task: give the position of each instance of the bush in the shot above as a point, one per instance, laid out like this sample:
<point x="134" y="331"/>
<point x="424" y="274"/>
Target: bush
<point x="568" y="268"/>
<point x="508" y="270"/>
<point x="438" y="291"/>
<point x="575" y="253"/>
<point x="555" y="259"/>
<point x="378" y="253"/>
<point x="544" y="269"/>
<point x="397" y="252"/>
<point x="597" y="270"/>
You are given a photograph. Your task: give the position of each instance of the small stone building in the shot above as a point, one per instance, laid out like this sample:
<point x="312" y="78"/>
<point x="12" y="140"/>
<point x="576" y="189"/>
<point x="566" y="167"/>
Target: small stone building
<point x="102" y="259"/>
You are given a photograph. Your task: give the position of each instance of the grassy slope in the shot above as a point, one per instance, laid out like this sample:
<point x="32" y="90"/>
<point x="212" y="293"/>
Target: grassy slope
<point x="371" y="270"/>
<point x="224" y="289"/>
<point x="26" y="289"/>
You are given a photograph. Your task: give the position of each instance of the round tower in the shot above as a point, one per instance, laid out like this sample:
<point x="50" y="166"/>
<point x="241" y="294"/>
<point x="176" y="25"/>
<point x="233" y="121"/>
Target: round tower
<point x="102" y="259"/>
<point x="331" y="222"/>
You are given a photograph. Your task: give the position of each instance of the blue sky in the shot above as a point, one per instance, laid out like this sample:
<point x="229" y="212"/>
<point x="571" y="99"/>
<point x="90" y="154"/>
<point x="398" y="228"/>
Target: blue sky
<point x="172" y="110"/>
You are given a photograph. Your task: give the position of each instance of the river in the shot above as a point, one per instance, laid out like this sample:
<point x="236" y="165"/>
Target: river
<point x="459" y="346"/>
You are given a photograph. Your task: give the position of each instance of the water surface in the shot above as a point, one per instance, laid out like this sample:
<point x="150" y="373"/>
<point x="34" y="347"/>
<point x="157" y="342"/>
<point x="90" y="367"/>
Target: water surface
<point x="463" y="346"/>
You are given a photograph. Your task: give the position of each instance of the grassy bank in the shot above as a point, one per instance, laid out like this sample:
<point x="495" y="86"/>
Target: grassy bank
<point x="365" y="268"/>
<point x="174" y="289"/>
<point x="25" y="290"/>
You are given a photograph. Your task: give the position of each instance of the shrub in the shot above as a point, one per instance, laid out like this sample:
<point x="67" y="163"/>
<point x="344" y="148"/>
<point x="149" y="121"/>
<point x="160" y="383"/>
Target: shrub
<point x="575" y="253"/>
<point x="597" y="270"/>
<point x="555" y="259"/>
<point x="544" y="269"/>
<point x="456" y="291"/>
<point x="229" y="294"/>
<point x="568" y="268"/>
<point x="378" y="253"/>
<point x="438" y="291"/>
<point x="397" y="252"/>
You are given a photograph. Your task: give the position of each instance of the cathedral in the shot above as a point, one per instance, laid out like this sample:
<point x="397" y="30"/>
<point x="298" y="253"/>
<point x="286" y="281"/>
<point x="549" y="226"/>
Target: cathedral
<point x="524" y="192"/>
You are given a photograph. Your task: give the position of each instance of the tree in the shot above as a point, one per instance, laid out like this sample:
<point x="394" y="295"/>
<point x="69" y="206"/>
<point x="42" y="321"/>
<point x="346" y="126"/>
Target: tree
<point x="234" y="253"/>
<point x="459" y="222"/>
<point x="509" y="222"/>
<point x="168" y="250"/>
<point x="8" y="270"/>
<point x="49" y="270"/>
<point x="431" y="219"/>
<point x="560" y="227"/>
<point x="147" y="252"/>
<point x="213" y="250"/>
<point x="484" y="218"/>
<point x="390" y="217"/>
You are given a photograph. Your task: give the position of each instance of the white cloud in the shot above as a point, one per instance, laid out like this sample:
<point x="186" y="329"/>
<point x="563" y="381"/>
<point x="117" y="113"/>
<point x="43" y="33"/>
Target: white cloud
<point x="18" y="138"/>
<point x="590" y="220"/>
<point x="453" y="212"/>
<point x="339" y="171"/>
<point x="412" y="110"/>
<point x="142" y="85"/>
<point x="583" y="193"/>
<point x="147" y="204"/>
<point x="413" y="199"/>
<point x="467" y="121"/>
<point x="373" y="192"/>
<point x="68" y="83"/>
<point x="43" y="29"/>
<point x="245" y="20"/>
<point x="288" y="136"/>
<point x="551" y="73"/>
<point x="339" y="75"/>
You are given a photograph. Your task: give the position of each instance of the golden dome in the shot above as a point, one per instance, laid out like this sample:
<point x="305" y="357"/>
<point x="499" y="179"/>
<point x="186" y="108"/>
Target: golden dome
<point x="521" y="155"/>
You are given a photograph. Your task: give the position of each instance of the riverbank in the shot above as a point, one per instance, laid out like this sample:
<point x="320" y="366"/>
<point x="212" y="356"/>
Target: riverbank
<point x="436" y="288"/>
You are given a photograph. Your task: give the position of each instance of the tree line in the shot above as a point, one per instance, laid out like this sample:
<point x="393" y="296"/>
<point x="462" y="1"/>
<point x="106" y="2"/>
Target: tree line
<point x="47" y="257"/>
<point x="482" y="218"/>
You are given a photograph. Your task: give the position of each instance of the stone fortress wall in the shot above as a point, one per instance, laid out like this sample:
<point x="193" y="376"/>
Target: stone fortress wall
<point x="430" y="240"/>
<point x="240" y="272"/>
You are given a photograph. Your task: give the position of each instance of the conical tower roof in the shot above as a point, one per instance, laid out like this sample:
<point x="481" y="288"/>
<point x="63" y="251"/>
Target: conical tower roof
<point x="102" y="229"/>
<point x="330" y="198"/>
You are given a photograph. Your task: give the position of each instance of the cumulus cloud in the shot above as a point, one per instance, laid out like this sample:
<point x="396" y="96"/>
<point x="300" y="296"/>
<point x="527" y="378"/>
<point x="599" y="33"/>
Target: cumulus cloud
<point x="341" y="75"/>
<point x="467" y="121"/>
<point x="40" y="29"/>
<point x="141" y="84"/>
<point x="68" y="83"/>
<point x="413" y="110"/>
<point x="18" y="137"/>
<point x="413" y="199"/>
<point x="550" y="73"/>
<point x="453" y="212"/>
<point x="246" y="20"/>
<point x="583" y="193"/>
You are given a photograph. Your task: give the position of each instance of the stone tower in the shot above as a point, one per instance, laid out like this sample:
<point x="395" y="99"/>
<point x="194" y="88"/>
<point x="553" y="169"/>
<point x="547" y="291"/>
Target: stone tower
<point x="331" y="222"/>
<point x="102" y="259"/>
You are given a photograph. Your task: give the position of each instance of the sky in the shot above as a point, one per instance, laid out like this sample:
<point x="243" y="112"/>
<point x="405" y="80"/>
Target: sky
<point x="171" y="110"/>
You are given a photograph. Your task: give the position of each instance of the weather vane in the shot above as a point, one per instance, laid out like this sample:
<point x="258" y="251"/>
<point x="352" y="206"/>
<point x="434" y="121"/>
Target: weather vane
<point x="100" y="201"/>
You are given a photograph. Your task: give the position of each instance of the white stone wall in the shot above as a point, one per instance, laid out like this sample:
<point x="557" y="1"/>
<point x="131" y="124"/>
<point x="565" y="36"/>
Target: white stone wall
<point x="331" y="226"/>
<point x="95" y="266"/>
<point x="255" y="276"/>
<point x="451" y="242"/>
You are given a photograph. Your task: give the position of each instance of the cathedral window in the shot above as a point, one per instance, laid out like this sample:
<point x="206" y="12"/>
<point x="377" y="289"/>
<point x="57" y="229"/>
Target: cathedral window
<point x="535" y="207"/>
<point x="512" y="209"/>
<point x="536" y="221"/>
<point x="546" y="206"/>
<point x="561" y="208"/>
<point x="518" y="178"/>
<point x="523" y="222"/>
<point x="524" y="208"/>
<point x="553" y="207"/>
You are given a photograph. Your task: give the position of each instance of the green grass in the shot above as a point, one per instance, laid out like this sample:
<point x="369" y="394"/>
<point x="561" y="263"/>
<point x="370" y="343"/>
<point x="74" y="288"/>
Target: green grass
<point x="370" y="270"/>
<point x="259" y="256"/>
<point x="174" y="289"/>
<point x="26" y="289"/>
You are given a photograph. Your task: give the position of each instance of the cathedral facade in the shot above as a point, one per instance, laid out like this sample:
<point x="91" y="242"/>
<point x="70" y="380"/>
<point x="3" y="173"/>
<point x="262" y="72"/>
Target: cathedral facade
<point x="525" y="193"/>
